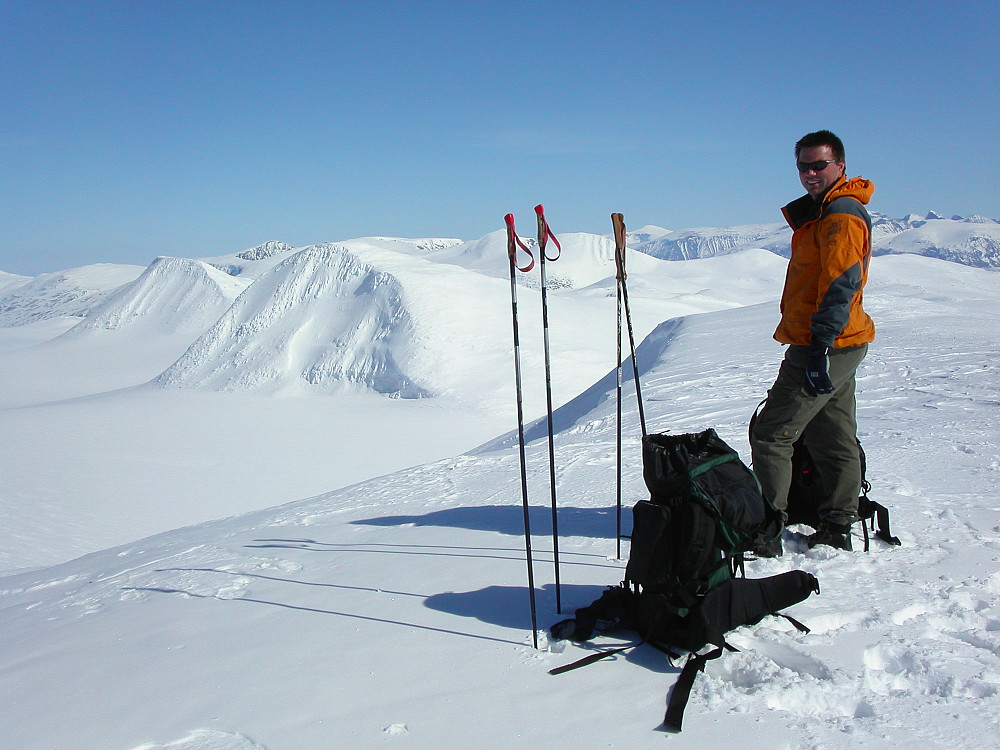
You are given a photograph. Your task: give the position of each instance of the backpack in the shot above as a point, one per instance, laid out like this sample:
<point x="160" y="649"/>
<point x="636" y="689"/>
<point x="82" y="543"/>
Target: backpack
<point x="806" y="493"/>
<point x="704" y="511"/>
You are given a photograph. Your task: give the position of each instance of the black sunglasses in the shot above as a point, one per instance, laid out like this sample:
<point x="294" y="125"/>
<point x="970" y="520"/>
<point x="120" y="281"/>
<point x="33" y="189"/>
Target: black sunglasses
<point x="814" y="166"/>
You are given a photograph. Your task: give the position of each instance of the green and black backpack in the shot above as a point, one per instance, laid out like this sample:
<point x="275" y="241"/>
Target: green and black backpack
<point x="680" y="592"/>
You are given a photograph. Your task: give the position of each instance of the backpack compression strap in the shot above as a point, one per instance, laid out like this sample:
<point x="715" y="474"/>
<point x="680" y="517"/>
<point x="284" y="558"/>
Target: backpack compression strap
<point x="678" y="698"/>
<point x="590" y="659"/>
<point x="677" y="701"/>
<point x="873" y="511"/>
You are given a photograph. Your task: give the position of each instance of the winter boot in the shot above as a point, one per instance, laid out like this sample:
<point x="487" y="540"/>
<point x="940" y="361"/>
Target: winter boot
<point x="771" y="548"/>
<point x="833" y="535"/>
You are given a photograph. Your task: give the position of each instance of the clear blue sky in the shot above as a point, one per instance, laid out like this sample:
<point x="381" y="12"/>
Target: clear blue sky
<point x="135" y="129"/>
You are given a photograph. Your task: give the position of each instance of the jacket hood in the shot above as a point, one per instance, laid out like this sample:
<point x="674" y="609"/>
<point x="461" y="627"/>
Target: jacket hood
<point x="857" y="187"/>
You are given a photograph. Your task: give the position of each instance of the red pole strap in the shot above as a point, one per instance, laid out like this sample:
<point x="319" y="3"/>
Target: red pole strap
<point x="513" y="243"/>
<point x="544" y="233"/>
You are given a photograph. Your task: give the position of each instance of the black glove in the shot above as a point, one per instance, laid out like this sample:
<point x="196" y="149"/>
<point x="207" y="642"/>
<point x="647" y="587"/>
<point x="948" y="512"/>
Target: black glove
<point x="818" y="371"/>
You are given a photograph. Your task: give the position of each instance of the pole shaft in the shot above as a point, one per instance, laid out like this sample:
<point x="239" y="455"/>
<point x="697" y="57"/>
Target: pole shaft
<point x="511" y="252"/>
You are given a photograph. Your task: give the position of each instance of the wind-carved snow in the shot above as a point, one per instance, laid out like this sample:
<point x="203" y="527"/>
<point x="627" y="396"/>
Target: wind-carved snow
<point x="9" y="281"/>
<point x="174" y="295"/>
<point x="266" y="250"/>
<point x="322" y="318"/>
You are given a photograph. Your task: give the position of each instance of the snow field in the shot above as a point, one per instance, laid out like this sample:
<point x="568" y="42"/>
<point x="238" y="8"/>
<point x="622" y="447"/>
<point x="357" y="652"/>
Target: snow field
<point x="394" y="610"/>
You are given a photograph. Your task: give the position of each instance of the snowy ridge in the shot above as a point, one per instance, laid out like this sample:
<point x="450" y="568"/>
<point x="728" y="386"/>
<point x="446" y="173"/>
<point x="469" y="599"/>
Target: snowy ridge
<point x="65" y="293"/>
<point x="173" y="295"/>
<point x="585" y="259"/>
<point x="297" y="324"/>
<point x="970" y="243"/>
<point x="10" y="281"/>
<point x="588" y="259"/>
<point x="707" y="242"/>
<point x="369" y="314"/>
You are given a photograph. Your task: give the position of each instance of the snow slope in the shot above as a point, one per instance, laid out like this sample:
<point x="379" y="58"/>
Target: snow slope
<point x="64" y="293"/>
<point x="393" y="612"/>
<point x="137" y="375"/>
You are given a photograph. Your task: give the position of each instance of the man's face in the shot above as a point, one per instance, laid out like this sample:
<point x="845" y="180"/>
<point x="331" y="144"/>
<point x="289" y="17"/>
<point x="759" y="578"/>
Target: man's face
<point x="818" y="181"/>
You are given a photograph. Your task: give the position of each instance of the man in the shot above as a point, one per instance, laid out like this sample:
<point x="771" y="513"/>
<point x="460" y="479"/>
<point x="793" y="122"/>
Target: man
<point x="827" y="332"/>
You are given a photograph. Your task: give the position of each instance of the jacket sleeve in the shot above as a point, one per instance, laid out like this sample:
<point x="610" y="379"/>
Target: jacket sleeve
<point x="844" y="254"/>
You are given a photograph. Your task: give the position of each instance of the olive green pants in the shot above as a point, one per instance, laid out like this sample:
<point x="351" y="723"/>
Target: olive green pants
<point x="828" y="425"/>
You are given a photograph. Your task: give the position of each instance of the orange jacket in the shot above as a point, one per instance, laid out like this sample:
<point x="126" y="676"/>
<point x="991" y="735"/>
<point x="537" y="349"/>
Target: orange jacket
<point x="831" y="248"/>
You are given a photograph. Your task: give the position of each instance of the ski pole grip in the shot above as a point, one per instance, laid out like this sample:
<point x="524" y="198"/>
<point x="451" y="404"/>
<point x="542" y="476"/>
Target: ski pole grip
<point x="514" y="242"/>
<point x="511" y="237"/>
<point x="618" y="222"/>
<point x="540" y="209"/>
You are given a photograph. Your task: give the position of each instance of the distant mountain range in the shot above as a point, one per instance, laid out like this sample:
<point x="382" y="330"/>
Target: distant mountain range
<point x="972" y="241"/>
<point x="381" y="314"/>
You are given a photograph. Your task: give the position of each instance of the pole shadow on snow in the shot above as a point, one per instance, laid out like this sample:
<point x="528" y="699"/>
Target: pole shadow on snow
<point x="314" y="610"/>
<point x="591" y="523"/>
<point x="432" y="550"/>
<point x="504" y="605"/>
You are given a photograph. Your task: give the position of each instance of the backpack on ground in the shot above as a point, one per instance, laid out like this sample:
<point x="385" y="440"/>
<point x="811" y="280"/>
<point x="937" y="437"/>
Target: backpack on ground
<point x="704" y="511"/>
<point x="805" y="494"/>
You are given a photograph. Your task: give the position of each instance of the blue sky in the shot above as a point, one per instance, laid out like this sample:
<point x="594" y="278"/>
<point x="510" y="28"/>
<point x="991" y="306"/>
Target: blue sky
<point x="131" y="130"/>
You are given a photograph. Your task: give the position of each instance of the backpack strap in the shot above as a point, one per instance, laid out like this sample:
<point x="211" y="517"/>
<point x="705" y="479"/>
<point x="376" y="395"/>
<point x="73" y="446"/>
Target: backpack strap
<point x="678" y="698"/>
<point x="798" y="625"/>
<point x="595" y="657"/>
<point x="883" y="533"/>
<point x="872" y="511"/>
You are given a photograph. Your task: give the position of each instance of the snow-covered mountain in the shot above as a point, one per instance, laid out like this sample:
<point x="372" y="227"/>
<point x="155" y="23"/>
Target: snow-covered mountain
<point x="69" y="293"/>
<point x="177" y="293"/>
<point x="322" y="316"/>
<point x="972" y="241"/>
<point x="708" y="242"/>
<point x="584" y="259"/>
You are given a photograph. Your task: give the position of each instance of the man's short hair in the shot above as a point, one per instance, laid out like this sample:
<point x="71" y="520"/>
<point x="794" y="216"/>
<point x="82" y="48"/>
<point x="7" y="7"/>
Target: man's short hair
<point x="821" y="138"/>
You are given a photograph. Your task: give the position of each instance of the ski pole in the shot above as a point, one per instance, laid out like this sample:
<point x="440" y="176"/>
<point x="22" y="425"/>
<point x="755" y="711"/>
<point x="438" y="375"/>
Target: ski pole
<point x="544" y="234"/>
<point x="618" y="223"/>
<point x="619" y="275"/>
<point x="513" y="242"/>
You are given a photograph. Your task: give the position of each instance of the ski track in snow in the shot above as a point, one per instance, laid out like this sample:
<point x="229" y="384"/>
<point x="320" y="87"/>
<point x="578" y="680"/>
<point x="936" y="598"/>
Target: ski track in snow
<point x="395" y="610"/>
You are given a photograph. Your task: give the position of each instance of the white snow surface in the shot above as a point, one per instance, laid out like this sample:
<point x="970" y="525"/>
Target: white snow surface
<point x="222" y="535"/>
